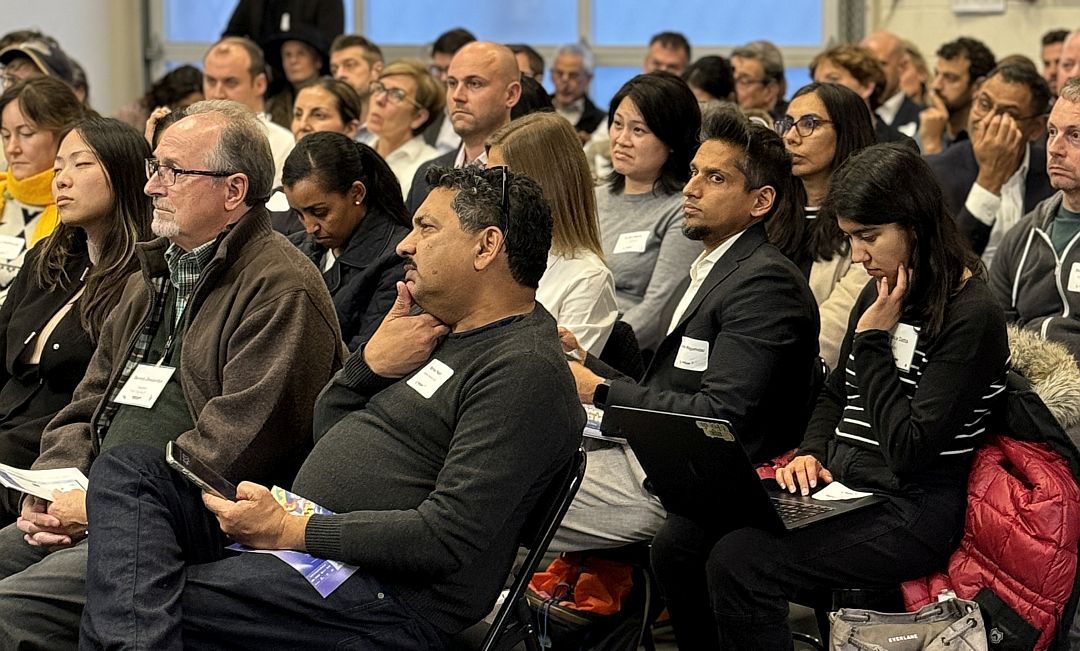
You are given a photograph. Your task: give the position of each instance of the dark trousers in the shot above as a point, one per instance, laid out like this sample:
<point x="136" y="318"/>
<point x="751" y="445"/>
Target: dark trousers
<point x="158" y="577"/>
<point x="730" y="590"/>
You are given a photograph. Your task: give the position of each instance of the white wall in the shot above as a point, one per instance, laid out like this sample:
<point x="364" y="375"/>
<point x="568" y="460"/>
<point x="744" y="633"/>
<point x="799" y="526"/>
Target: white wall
<point x="104" y="36"/>
<point x="929" y="23"/>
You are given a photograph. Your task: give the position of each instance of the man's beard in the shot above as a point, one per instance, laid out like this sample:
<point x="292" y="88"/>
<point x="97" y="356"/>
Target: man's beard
<point x="696" y="233"/>
<point x="164" y="228"/>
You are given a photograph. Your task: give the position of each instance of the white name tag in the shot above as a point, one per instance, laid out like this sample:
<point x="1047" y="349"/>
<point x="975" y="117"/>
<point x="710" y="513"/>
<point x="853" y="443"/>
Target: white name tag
<point x="1074" y="277"/>
<point x="11" y="247"/>
<point x="632" y="242"/>
<point x="145" y="385"/>
<point x="903" y="340"/>
<point x="693" y="355"/>
<point x="428" y="380"/>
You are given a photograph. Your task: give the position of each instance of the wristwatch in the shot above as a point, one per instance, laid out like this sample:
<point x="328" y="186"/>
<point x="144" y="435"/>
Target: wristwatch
<point x="600" y="394"/>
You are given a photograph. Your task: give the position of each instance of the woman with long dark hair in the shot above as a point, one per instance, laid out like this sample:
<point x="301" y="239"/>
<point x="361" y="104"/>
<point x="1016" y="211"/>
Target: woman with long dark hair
<point x="349" y="203"/>
<point x="922" y="371"/>
<point x="824" y="125"/>
<point x="70" y="282"/>
<point x="653" y="124"/>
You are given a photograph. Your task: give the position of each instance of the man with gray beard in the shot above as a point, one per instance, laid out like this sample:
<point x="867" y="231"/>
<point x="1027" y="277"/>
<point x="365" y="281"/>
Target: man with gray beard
<point x="221" y="343"/>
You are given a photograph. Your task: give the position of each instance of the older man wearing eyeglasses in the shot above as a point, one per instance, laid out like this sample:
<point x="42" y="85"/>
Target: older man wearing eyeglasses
<point x="992" y="179"/>
<point x="221" y="344"/>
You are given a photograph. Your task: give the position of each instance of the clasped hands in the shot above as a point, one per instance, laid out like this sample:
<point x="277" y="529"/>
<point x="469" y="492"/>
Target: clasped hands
<point x="57" y="524"/>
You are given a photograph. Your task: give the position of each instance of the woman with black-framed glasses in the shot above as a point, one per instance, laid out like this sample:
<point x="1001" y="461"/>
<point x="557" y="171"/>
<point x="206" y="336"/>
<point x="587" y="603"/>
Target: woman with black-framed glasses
<point x="823" y="126"/>
<point x="404" y="101"/>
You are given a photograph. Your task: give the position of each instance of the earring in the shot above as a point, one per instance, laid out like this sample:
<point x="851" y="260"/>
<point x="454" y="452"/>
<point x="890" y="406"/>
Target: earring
<point x="356" y="203"/>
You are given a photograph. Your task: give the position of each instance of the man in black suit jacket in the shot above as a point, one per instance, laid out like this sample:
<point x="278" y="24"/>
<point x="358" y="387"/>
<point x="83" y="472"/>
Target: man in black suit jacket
<point x="999" y="175"/>
<point x="742" y="341"/>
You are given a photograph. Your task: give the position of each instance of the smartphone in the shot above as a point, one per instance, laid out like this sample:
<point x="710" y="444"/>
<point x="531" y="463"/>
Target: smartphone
<point x="198" y="473"/>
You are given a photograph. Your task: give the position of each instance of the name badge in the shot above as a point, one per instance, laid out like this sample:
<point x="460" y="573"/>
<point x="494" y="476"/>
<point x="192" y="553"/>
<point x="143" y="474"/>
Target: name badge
<point x="428" y="380"/>
<point x="903" y="340"/>
<point x="1074" y="277"/>
<point x="145" y="385"/>
<point x="11" y="247"/>
<point x="693" y="355"/>
<point x="632" y="242"/>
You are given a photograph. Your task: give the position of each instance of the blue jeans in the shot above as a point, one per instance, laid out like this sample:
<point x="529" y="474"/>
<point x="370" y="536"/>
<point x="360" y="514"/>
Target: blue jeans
<point x="158" y="577"/>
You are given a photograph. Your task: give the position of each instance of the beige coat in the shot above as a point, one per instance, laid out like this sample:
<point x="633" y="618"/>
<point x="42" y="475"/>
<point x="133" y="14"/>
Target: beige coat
<point x="836" y="283"/>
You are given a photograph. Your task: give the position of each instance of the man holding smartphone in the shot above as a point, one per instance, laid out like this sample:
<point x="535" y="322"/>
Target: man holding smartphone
<point x="222" y="343"/>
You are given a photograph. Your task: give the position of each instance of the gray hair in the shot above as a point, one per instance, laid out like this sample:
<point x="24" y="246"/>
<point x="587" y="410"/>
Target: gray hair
<point x="1070" y="92"/>
<point x="768" y="54"/>
<point x="579" y="51"/>
<point x="242" y="148"/>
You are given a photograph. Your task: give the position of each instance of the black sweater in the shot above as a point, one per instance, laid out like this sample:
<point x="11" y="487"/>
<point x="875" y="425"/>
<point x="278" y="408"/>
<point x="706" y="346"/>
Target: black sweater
<point x="880" y="428"/>
<point x="431" y="493"/>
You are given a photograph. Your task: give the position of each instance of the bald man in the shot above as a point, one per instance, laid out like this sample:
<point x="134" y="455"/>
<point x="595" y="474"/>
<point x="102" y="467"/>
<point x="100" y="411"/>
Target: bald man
<point x="897" y="110"/>
<point x="482" y="86"/>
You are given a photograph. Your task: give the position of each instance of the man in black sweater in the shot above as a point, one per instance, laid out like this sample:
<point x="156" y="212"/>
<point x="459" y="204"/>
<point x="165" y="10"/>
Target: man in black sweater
<point x="433" y="445"/>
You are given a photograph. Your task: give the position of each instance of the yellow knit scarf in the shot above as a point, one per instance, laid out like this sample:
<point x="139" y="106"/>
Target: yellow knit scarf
<point x="32" y="191"/>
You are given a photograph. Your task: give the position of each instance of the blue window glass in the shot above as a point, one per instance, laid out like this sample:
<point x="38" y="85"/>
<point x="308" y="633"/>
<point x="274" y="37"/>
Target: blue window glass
<point x="708" y="22"/>
<point x="536" y="22"/>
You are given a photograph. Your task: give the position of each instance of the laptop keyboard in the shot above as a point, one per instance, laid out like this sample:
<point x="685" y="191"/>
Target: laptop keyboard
<point x="793" y="511"/>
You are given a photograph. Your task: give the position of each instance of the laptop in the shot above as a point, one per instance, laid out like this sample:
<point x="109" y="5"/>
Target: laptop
<point x="698" y="469"/>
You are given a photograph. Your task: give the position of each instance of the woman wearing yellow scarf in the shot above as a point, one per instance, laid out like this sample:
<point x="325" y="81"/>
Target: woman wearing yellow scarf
<point x="34" y="115"/>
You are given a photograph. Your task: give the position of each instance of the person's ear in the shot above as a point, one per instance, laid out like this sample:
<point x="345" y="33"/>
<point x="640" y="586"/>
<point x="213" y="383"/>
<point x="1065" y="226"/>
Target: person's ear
<point x="418" y="119"/>
<point x="357" y="193"/>
<point x="488" y="244"/>
<point x="763" y="202"/>
<point x="236" y="190"/>
<point x="260" y="84"/>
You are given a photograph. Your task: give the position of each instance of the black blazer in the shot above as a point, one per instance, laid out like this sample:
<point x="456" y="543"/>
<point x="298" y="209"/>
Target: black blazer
<point x="760" y="320"/>
<point x="31" y="395"/>
<point x="259" y="19"/>
<point x="908" y="113"/>
<point x="591" y="117"/>
<point x="419" y="190"/>
<point x="956" y="171"/>
<point x="363" y="280"/>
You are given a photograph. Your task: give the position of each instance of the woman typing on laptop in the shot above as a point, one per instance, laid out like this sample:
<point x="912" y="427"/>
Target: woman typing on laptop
<point x="921" y="368"/>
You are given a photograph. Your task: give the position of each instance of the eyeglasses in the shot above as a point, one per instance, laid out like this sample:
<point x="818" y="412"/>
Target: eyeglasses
<point x="166" y="174"/>
<point x="804" y="126"/>
<point x="749" y="81"/>
<point x="986" y="106"/>
<point x="395" y="95"/>
<point x="504" y="201"/>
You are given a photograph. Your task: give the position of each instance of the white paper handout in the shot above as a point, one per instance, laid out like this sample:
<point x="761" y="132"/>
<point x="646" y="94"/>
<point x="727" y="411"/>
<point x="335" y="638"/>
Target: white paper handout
<point x="42" y="483"/>
<point x="837" y="491"/>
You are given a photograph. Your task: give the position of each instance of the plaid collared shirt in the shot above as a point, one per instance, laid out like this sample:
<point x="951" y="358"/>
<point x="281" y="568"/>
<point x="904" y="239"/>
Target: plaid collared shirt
<point x="184" y="271"/>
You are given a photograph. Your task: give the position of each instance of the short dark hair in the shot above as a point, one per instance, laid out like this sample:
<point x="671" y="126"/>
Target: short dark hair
<point x="452" y="40"/>
<point x="672" y="41"/>
<point x="671" y="112"/>
<point x="891" y="184"/>
<point x="372" y="52"/>
<point x="1055" y="36"/>
<point x="980" y="58"/>
<point x="478" y="205"/>
<point x="335" y="162"/>
<point x="50" y="103"/>
<point x="1016" y="73"/>
<point x="536" y="62"/>
<point x="764" y="162"/>
<point x="534" y="99"/>
<point x="712" y="74"/>
<point x="173" y="87"/>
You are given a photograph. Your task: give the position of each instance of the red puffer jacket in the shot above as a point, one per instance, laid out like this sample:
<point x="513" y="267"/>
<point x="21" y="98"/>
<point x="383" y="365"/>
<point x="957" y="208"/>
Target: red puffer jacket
<point x="1021" y="530"/>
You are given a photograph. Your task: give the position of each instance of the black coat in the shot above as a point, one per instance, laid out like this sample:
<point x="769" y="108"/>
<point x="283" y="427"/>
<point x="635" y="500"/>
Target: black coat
<point x="363" y="280"/>
<point x="419" y="189"/>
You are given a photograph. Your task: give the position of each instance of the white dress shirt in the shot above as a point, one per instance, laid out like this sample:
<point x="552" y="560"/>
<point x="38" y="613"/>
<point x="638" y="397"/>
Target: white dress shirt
<point x="699" y="271"/>
<point x="999" y="212"/>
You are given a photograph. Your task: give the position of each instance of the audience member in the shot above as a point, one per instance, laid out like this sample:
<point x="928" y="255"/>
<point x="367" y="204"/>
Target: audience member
<point x="710" y="78"/>
<point x="571" y="74"/>
<point x="440" y="134"/>
<point x="405" y="100"/>
<point x="79" y="83"/>
<point x="326" y="104"/>
<point x="258" y="20"/>
<point x="234" y="68"/>
<point x="242" y="331"/>
<point x="350" y="207"/>
<point x="915" y="76"/>
<point x="759" y="77"/>
<point x="34" y="114"/>
<point x="430" y="475"/>
<point x="357" y="61"/>
<point x="1036" y="272"/>
<point x="854" y="67"/>
<point x="961" y="66"/>
<point x="895" y="107"/>
<point x="740" y="335"/>
<point x="825" y="124"/>
<point x="1069" y="64"/>
<point x="36" y="58"/>
<point x="899" y="422"/>
<point x="482" y="89"/>
<point x="529" y="61"/>
<point x="178" y="89"/>
<point x="296" y="57"/>
<point x="534" y="99"/>
<point x="1052" y="43"/>
<point x="998" y="175"/>
<point x="653" y="124"/>
<point x="668" y="51"/>
<point x="70" y="283"/>
<point x="577" y="288"/>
